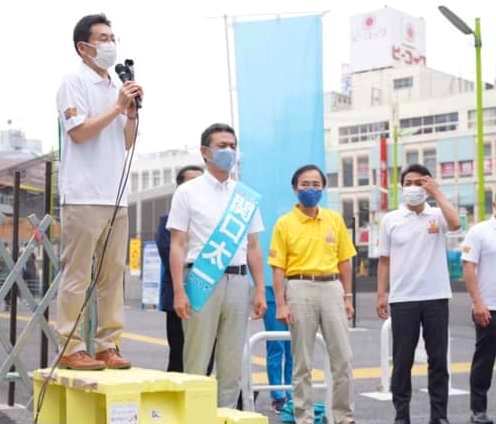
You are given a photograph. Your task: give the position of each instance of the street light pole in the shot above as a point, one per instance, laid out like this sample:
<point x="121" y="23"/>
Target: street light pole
<point x="465" y="29"/>
<point x="481" y="196"/>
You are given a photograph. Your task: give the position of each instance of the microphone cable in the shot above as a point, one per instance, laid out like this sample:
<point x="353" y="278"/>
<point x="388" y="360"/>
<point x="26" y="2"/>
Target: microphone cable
<point x="91" y="288"/>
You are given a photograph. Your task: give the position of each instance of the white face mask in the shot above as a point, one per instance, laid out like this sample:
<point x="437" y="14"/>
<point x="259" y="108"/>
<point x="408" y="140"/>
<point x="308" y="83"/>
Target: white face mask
<point x="106" y="55"/>
<point x="414" y="195"/>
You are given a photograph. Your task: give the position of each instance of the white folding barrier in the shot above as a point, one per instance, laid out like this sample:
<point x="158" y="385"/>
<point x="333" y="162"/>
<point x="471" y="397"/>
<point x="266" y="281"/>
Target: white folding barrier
<point x="247" y="386"/>
<point x="384" y="392"/>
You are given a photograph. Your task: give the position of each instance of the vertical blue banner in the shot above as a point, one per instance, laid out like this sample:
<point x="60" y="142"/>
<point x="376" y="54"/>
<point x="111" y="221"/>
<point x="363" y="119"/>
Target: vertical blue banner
<point x="280" y="98"/>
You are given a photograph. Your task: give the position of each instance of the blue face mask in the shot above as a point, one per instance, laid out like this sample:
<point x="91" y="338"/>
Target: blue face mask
<point x="309" y="197"/>
<point x="223" y="159"/>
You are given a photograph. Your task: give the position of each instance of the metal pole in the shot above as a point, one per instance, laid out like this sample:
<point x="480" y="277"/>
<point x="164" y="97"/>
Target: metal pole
<point x="13" y="291"/>
<point x="383" y="175"/>
<point x="385" y="377"/>
<point x="394" y="177"/>
<point x="480" y="125"/>
<point x="90" y="318"/>
<point x="229" y="71"/>
<point x="46" y="262"/>
<point x="354" y="272"/>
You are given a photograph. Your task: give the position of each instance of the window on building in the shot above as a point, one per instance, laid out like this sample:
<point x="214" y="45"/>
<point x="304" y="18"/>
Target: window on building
<point x="427" y="124"/>
<point x="489" y="202"/>
<point x="466" y="168"/>
<point x="344" y="133"/>
<point x="134" y="182"/>
<point x="145" y="180"/>
<point x="7" y="199"/>
<point x="447" y="170"/>
<point x="363" y="132"/>
<point x="412" y="156"/>
<point x="427" y="120"/>
<point x="363" y="212"/>
<point x="444" y="122"/>
<point x="489" y="117"/>
<point x="400" y="83"/>
<point x="488" y="149"/>
<point x="348" y="211"/>
<point x="347" y="172"/>
<point x="488" y="159"/>
<point x="332" y="179"/>
<point x="167" y="175"/>
<point x="363" y="170"/>
<point x="354" y="131"/>
<point x="430" y="161"/>
<point x="431" y="123"/>
<point x="374" y="177"/>
<point x="156" y="178"/>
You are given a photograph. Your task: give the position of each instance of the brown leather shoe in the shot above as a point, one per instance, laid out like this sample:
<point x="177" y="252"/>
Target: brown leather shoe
<point x="113" y="360"/>
<point x="81" y="361"/>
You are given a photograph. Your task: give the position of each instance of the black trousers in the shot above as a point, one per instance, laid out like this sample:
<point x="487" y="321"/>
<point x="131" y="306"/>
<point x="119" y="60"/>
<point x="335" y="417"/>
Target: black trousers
<point x="406" y="319"/>
<point x="175" y="338"/>
<point x="481" y="372"/>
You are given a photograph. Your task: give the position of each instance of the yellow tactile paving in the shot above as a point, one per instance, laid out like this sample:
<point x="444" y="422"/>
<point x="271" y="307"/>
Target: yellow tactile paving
<point x="261" y="377"/>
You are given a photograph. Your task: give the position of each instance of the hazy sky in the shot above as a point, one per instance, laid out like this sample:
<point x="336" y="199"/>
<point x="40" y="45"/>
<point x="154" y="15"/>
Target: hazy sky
<point x="180" y="55"/>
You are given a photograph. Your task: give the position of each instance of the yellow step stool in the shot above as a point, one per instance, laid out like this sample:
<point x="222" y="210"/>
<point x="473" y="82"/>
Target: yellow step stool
<point x="134" y="396"/>
<point x="233" y="416"/>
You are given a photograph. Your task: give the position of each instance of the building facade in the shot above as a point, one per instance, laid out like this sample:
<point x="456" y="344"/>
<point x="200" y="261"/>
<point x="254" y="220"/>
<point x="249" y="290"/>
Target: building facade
<point x="13" y="141"/>
<point x="434" y="116"/>
<point x="151" y="185"/>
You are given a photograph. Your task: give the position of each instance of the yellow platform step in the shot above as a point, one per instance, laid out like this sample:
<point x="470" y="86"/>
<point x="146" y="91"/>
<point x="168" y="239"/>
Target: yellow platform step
<point x="233" y="416"/>
<point x="134" y="396"/>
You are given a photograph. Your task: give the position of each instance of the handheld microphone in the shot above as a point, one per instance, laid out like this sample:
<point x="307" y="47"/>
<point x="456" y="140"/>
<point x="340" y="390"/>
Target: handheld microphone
<point x="130" y="64"/>
<point x="126" y="73"/>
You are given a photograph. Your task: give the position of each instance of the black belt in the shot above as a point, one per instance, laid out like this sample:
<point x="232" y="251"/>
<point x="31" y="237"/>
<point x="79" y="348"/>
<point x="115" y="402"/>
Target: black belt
<point x="313" y="277"/>
<point x="234" y="270"/>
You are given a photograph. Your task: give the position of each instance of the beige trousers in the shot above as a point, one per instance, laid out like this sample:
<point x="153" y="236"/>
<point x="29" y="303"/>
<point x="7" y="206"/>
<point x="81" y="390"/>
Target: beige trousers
<point x="84" y="229"/>
<point x="317" y="305"/>
<point x="225" y="318"/>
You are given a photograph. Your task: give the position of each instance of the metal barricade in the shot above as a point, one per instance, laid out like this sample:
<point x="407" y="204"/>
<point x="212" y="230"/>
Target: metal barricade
<point x="247" y="386"/>
<point x="14" y="277"/>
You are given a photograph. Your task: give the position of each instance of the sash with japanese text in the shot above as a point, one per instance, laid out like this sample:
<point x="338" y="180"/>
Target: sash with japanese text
<point x="221" y="247"/>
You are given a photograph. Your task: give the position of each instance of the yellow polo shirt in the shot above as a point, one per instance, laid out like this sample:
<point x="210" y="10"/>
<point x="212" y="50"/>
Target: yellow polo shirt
<point x="305" y="245"/>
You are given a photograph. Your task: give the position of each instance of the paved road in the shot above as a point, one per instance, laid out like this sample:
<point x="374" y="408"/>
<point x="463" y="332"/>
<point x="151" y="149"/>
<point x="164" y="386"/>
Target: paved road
<point x="144" y="344"/>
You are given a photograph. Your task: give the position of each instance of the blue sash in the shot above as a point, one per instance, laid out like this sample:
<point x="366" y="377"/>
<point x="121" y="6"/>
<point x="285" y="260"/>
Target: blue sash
<point x="221" y="247"/>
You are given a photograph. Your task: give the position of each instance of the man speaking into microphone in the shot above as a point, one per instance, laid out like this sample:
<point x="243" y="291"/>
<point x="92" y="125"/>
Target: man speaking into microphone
<point x="99" y="122"/>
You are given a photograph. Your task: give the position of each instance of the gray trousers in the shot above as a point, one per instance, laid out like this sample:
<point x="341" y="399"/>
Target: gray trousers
<point x="225" y="318"/>
<point x="314" y="305"/>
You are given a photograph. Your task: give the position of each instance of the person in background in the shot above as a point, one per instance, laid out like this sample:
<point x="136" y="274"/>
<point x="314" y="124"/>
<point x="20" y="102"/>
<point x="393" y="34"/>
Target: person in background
<point x="279" y="357"/>
<point x="413" y="263"/>
<point x="175" y="337"/>
<point x="210" y="207"/>
<point x="311" y="249"/>
<point x="30" y="275"/>
<point x="479" y="271"/>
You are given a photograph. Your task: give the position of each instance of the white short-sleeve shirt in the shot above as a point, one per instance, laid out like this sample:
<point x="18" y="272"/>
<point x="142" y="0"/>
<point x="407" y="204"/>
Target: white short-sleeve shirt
<point x="416" y="246"/>
<point x="90" y="172"/>
<point x="479" y="247"/>
<point x="197" y="207"/>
